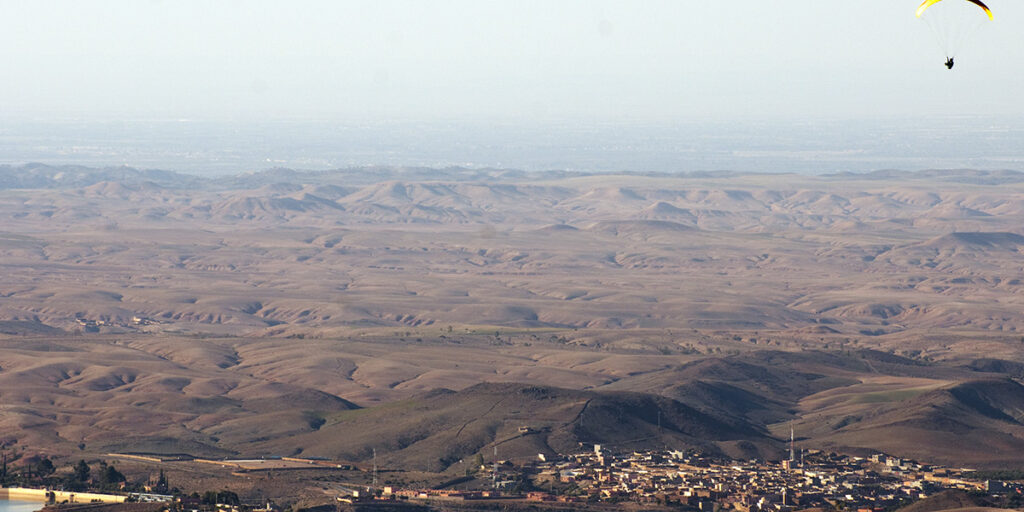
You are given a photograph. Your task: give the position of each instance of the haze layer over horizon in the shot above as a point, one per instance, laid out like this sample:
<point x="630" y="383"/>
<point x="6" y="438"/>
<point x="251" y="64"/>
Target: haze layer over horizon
<point x="212" y="148"/>
<point x="604" y="85"/>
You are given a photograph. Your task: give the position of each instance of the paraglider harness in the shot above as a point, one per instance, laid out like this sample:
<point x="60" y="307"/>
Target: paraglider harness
<point x="949" y="63"/>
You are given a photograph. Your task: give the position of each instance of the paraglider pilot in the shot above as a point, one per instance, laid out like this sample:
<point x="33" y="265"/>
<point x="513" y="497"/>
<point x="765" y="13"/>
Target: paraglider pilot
<point x="949" y="63"/>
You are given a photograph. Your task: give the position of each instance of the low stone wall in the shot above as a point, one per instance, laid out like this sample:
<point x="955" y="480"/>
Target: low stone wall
<point x="43" y="496"/>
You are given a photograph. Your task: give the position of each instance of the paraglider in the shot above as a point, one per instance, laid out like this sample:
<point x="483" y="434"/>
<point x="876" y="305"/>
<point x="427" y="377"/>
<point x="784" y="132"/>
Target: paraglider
<point x="953" y="21"/>
<point x="928" y="3"/>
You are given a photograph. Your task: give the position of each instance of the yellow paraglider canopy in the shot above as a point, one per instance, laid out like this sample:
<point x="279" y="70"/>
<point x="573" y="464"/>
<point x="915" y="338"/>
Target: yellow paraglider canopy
<point x="929" y="3"/>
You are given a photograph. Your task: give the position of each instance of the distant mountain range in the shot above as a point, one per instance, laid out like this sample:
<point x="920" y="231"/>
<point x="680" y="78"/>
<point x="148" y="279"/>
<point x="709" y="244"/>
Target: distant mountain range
<point x="42" y="176"/>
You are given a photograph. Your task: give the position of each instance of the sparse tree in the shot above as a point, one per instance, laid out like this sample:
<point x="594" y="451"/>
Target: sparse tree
<point x="80" y="473"/>
<point x="110" y="476"/>
<point x="161" y="482"/>
<point x="228" y="498"/>
<point x="44" y="467"/>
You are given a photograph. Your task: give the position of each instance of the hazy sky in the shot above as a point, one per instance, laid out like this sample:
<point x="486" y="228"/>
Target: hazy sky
<point x="444" y="59"/>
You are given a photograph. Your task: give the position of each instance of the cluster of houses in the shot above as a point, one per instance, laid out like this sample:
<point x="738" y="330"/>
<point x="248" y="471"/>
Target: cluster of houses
<point x="94" y="325"/>
<point x="815" y="479"/>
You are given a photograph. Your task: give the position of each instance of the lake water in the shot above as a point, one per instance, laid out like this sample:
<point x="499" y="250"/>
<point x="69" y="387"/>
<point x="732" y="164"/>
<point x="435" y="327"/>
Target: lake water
<point x="20" y="506"/>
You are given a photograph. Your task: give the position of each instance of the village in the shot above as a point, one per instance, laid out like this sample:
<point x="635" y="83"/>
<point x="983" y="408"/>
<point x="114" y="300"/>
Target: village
<point x="814" y="479"/>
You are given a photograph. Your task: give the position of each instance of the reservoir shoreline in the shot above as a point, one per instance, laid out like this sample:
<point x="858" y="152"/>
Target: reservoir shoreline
<point x="19" y="505"/>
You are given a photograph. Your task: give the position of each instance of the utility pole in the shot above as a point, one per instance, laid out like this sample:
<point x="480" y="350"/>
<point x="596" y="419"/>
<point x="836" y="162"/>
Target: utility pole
<point x="494" y="473"/>
<point x="374" y="468"/>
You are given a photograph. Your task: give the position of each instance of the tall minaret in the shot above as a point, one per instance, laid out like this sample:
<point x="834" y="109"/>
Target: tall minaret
<point x="494" y="472"/>
<point x="792" y="442"/>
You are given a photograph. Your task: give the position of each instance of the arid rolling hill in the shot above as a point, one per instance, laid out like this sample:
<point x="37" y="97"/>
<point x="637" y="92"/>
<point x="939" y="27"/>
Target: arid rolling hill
<point x="285" y="312"/>
<point x="423" y="403"/>
<point x="322" y="253"/>
<point x="441" y="428"/>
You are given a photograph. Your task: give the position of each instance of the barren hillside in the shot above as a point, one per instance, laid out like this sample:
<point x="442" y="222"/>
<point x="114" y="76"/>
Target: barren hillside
<point x="268" y="313"/>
